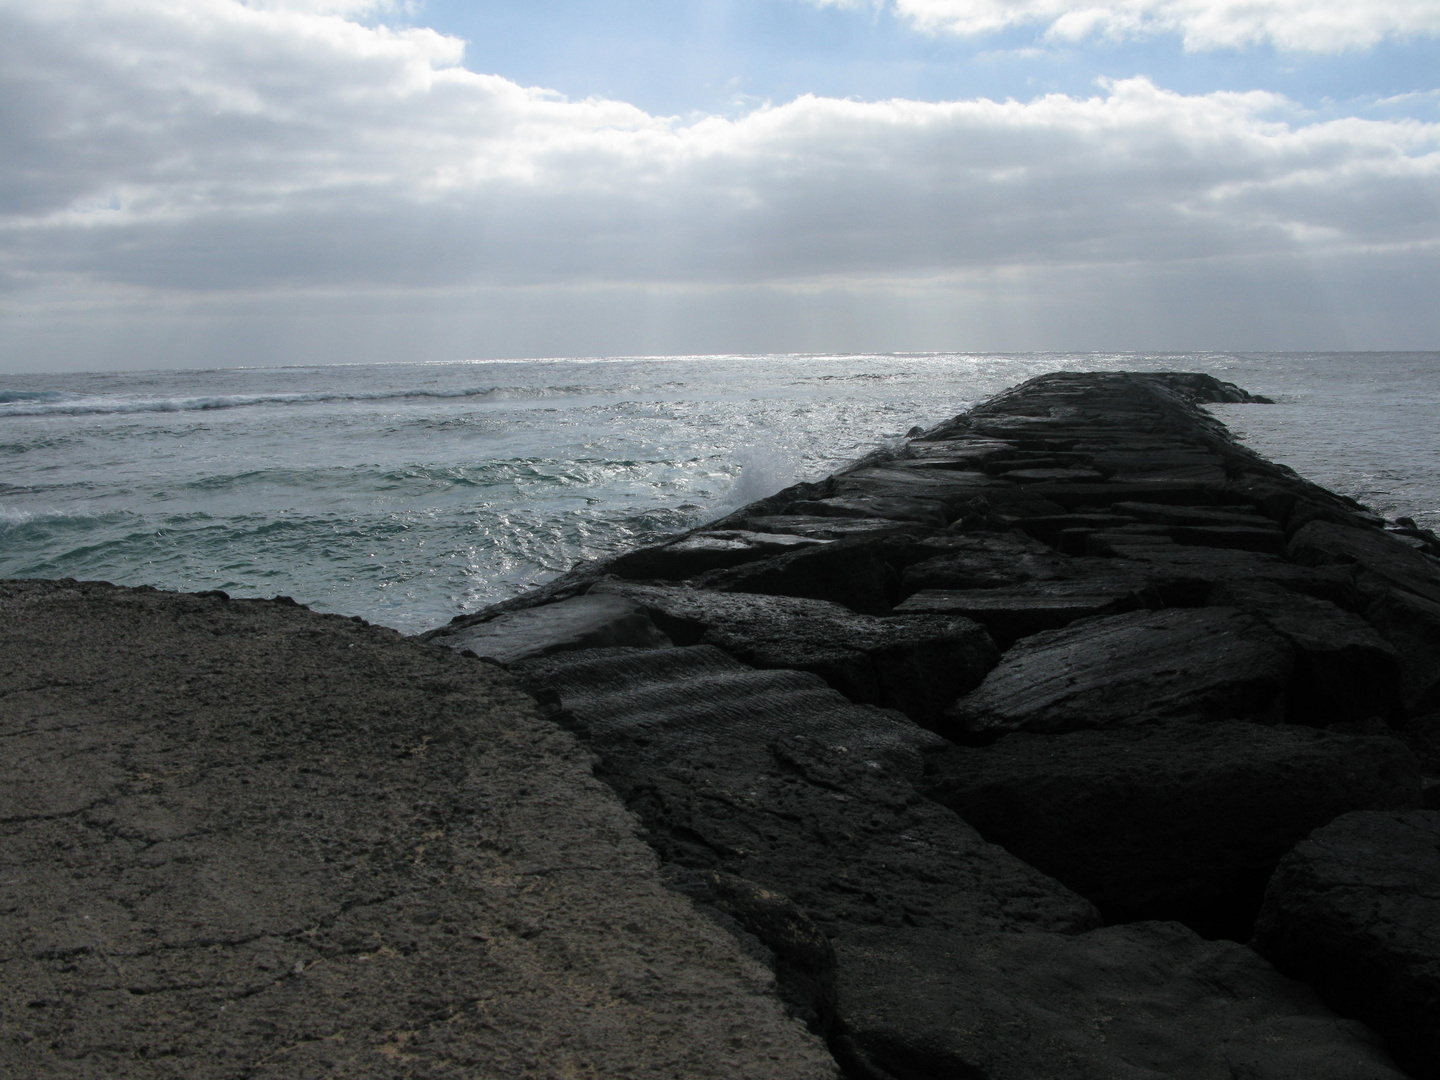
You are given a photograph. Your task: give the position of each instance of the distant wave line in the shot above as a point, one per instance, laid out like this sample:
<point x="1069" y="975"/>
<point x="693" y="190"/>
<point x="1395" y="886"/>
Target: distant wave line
<point x="19" y="403"/>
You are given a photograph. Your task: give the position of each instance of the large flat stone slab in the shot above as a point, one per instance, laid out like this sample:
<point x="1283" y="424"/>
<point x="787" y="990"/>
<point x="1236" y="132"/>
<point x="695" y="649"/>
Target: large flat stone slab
<point x="1139" y="1002"/>
<point x="773" y="778"/>
<point x="582" y="622"/>
<point x="241" y="839"/>
<point x="1380" y="560"/>
<point x="916" y="663"/>
<point x="1344" y="670"/>
<point x="1019" y="611"/>
<point x="1205" y="664"/>
<point x="1355" y="910"/>
<point x="1175" y="820"/>
<point x="852" y="573"/>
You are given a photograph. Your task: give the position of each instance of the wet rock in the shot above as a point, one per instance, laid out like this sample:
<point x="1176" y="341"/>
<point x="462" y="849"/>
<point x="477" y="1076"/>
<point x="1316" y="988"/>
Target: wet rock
<point x="705" y="550"/>
<point x="915" y="663"/>
<point x="1019" y="611"/>
<point x="1355" y="910"/>
<point x="1134" y="1002"/>
<point x="583" y="622"/>
<point x="850" y="573"/>
<point x="1174" y="820"/>
<point x="832" y="528"/>
<point x="1210" y="664"/>
<point x="962" y="454"/>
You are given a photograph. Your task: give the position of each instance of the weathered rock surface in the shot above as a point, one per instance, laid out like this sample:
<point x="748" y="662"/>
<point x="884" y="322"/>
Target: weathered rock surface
<point x="1380" y="561"/>
<point x="1173" y="820"/>
<point x="1140" y="1002"/>
<point x="918" y="664"/>
<point x="245" y="840"/>
<point x="1020" y="611"/>
<point x="1206" y="664"/>
<point x="847" y="572"/>
<point x="582" y="622"/>
<point x="775" y="779"/>
<point x="1355" y="910"/>
<point x="1344" y="670"/>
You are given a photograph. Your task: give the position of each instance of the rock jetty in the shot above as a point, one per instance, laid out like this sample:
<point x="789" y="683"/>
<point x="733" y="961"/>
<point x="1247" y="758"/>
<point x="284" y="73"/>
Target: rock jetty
<point x="1069" y="739"/>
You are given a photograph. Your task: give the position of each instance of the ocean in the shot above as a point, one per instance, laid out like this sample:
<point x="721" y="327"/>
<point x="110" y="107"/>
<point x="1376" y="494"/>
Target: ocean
<point x="410" y="493"/>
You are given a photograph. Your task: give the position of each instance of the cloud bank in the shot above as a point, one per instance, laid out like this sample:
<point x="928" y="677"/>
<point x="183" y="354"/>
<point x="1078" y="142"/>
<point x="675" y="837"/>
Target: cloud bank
<point x="1326" y="26"/>
<point x="184" y="152"/>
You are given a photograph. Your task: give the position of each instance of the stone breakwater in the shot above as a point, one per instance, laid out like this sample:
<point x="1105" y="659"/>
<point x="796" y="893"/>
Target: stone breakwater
<point x="1070" y="739"/>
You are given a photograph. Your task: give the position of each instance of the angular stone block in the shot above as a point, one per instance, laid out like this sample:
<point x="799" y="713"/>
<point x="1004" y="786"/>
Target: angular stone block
<point x="1137" y="1002"/>
<point x="851" y="573"/>
<point x="584" y="622"/>
<point x="1174" y="820"/>
<point x="1207" y="664"/>
<point x="1355" y="910"/>
<point x="1019" y="611"/>
<point x="701" y="551"/>
<point x="1345" y="672"/>
<point x="915" y="663"/>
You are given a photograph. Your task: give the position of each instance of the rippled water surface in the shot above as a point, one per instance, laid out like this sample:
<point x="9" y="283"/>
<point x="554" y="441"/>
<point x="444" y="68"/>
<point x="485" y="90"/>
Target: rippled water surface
<point x="409" y="493"/>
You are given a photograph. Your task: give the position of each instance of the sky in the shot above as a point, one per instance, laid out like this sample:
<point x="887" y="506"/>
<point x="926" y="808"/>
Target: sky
<point x="197" y="183"/>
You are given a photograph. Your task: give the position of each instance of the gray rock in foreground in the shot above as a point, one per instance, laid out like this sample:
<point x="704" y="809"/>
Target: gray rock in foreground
<point x="1173" y="821"/>
<point x="240" y="839"/>
<point x="1148" y="1001"/>
<point x="1355" y="910"/>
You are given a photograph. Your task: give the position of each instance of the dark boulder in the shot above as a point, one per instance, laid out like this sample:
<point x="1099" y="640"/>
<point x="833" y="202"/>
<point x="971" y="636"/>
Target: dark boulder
<point x="983" y="560"/>
<point x="1344" y="671"/>
<point x="1137" y="1002"/>
<point x="915" y="663"/>
<point x="1206" y="664"/>
<point x="1021" y="610"/>
<point x="1411" y="624"/>
<point x="1173" y="820"/>
<point x="907" y="508"/>
<point x="1184" y="575"/>
<point x="772" y="777"/>
<point x="1161" y="514"/>
<point x="1380" y="561"/>
<point x="1355" y="911"/>
<point x="851" y="573"/>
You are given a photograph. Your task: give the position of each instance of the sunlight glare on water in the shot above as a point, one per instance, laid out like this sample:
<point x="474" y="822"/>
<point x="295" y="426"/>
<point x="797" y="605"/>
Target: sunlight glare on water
<point x="410" y="493"/>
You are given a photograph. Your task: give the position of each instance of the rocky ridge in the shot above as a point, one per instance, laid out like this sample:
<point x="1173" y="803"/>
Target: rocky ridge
<point x="1002" y="747"/>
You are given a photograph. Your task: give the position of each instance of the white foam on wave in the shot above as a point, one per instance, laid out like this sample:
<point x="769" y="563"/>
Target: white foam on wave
<point x="764" y="470"/>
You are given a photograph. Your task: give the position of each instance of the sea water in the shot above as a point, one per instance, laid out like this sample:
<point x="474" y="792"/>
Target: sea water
<point x="407" y="494"/>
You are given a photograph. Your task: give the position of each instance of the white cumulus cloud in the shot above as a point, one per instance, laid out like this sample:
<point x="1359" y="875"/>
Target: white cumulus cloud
<point x="1301" y="25"/>
<point x="211" y="148"/>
